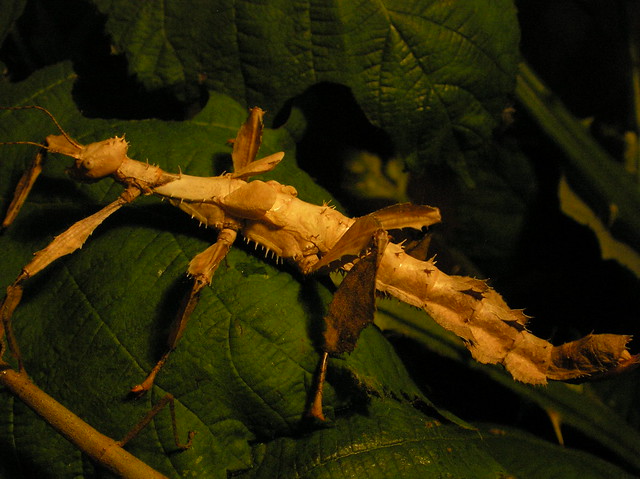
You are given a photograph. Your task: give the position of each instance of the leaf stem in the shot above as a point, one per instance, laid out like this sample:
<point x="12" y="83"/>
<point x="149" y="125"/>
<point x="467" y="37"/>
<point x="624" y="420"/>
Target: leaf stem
<point x="603" y="183"/>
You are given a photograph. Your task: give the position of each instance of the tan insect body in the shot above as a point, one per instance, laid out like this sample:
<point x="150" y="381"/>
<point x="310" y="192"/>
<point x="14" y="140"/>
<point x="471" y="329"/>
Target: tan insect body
<point x="312" y="236"/>
<point x="271" y="215"/>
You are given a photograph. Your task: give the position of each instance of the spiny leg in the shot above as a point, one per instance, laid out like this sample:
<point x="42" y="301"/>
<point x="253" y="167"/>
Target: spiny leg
<point x="66" y="243"/>
<point x="201" y="269"/>
<point x="23" y="188"/>
<point x="351" y="310"/>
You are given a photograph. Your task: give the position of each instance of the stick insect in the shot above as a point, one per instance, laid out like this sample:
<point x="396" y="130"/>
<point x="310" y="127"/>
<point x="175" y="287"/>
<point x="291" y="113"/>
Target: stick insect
<point x="312" y="237"/>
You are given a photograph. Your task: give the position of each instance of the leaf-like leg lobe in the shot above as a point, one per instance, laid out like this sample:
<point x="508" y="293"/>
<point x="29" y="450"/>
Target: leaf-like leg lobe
<point x="353" y="305"/>
<point x="351" y="310"/>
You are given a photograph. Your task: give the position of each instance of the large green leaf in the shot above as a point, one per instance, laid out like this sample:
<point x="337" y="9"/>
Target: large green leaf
<point x="557" y="461"/>
<point x="394" y="442"/>
<point x="435" y="75"/>
<point x="404" y="444"/>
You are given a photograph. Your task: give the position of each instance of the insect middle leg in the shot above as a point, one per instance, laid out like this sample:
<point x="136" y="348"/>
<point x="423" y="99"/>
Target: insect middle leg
<point x="201" y="269"/>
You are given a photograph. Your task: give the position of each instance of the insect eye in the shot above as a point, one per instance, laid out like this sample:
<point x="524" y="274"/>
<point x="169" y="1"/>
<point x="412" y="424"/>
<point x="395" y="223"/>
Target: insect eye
<point x="88" y="164"/>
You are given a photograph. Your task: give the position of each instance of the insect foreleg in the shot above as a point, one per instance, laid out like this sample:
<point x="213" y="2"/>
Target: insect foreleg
<point x="66" y="243"/>
<point x="201" y="269"/>
<point x="23" y="188"/>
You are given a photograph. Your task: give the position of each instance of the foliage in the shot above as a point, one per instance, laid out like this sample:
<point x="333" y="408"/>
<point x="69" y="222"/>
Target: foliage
<point x="431" y="76"/>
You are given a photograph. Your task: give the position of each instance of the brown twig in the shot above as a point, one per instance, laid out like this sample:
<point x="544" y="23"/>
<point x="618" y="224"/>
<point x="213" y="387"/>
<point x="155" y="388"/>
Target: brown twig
<point x="101" y="449"/>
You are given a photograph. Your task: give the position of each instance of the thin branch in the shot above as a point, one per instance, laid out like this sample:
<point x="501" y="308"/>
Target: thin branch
<point x="101" y="449"/>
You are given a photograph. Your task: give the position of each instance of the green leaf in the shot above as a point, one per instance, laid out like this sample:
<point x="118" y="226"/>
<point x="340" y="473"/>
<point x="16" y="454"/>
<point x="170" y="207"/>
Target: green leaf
<point x="557" y="461"/>
<point x="435" y="75"/>
<point x="12" y="10"/>
<point x="394" y="441"/>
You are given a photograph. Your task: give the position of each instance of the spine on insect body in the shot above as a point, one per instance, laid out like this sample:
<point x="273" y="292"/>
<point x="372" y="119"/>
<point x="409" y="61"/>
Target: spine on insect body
<point x="296" y="230"/>
<point x="493" y="332"/>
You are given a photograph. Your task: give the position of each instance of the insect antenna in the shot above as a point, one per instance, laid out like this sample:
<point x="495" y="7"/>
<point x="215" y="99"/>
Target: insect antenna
<point x="40" y="145"/>
<point x="46" y="112"/>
